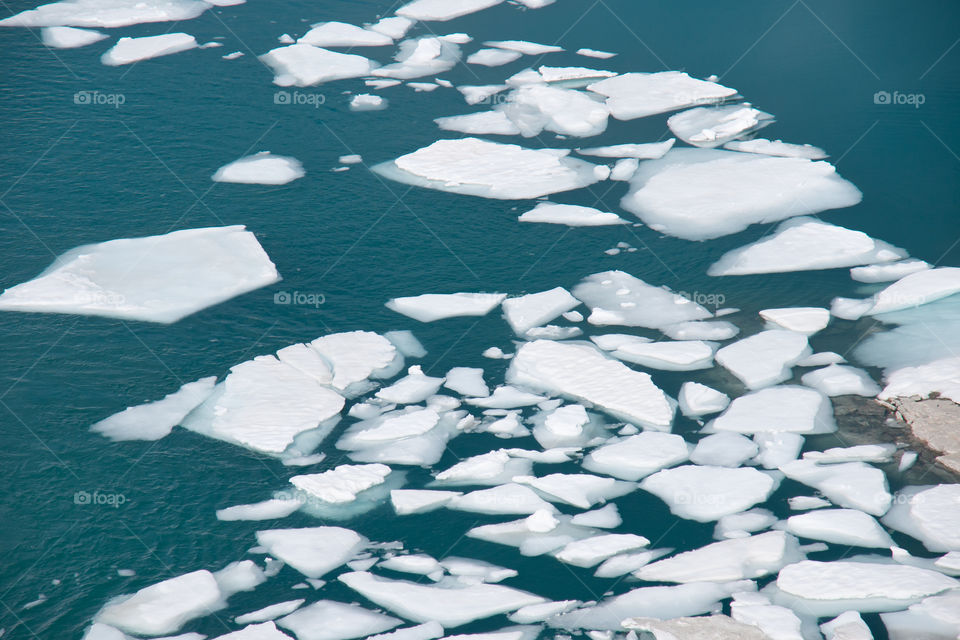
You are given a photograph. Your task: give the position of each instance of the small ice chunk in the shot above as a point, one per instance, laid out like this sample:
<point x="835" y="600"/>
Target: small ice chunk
<point x="233" y="55"/>
<point x="493" y="57"/>
<point x="644" y="151"/>
<point x="270" y="612"/>
<point x="443" y="10"/>
<point x="618" y="298"/>
<point x="915" y="290"/>
<point x="312" y="551"/>
<point x="303" y="65"/>
<point x="821" y="359"/>
<point x="164" y="607"/>
<point x="415" y="501"/>
<point x="777" y="148"/>
<point x="524" y="47"/>
<point x="467" y="381"/>
<point x="358" y="355"/>
<point x="854" y="485"/>
<point x="470" y="571"/>
<point x="636" y="457"/>
<point x="806" y="503"/>
<point x="712" y="126"/>
<point x="840" y="526"/>
<point x="778" y="409"/>
<point x="701" y="330"/>
<point x="341" y="34"/>
<point x="329" y="620"/>
<point x="708" y="493"/>
<point x="415" y="387"/>
<point x="595" y="53"/>
<point x="839" y="380"/>
<point x="847" y="626"/>
<point x="480" y="123"/>
<point x="535" y="309"/>
<point x="489" y="469"/>
<point x="777" y="448"/>
<point x="802" y="244"/>
<point x="156" y="420"/>
<point x="266" y="510"/>
<point x="684" y="355"/>
<point x="343" y="483"/>
<point x="437" y="306"/>
<point x="70" y="37"/>
<point x="607" y="517"/>
<point x="764" y="359"/>
<point x="367" y="102"/>
<point x="889" y="271"/>
<point x="636" y="95"/>
<point x="419" y="57"/>
<point x="724" y="449"/>
<point x="261" y="168"/>
<point x="741" y="525"/>
<point x="624" y="169"/>
<point x="395" y="26"/>
<point x="805" y="320"/>
<point x="156" y="278"/>
<point x="128" y="50"/>
<point x="590" y="552"/>
<point x="510" y="498"/>
<point x="506" y="397"/>
<point x="580" y="490"/>
<point x="929" y="514"/>
<point x="481" y="94"/>
<point x="535" y="108"/>
<point x="418" y="563"/>
<point x="570" y="215"/>
<point x="699" y="400"/>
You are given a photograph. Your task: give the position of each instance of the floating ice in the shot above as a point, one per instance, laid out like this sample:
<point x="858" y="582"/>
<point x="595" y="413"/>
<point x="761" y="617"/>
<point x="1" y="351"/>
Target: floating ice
<point x="524" y="47"/>
<point x="69" y="37"/>
<point x="491" y="468"/>
<point x="449" y="606"/>
<point x="700" y="194"/>
<point x="775" y="621"/>
<point x="443" y="10"/>
<point x="914" y="290"/>
<point x="535" y="108"/>
<point x="129" y="50"/>
<point x="701" y="330"/>
<point x="417" y="563"/>
<point x="584" y="374"/>
<point x="395" y="26"/>
<point x="741" y="525"/>
<point x="265" y="631"/>
<point x="493" y="57"/>
<point x="156" y="278"/>
<point x="467" y="382"/>
<point x="510" y="498"/>
<point x="618" y="298"/>
<point x="724" y="449"/>
<point x="358" y="355"/>
<point x="506" y="397"/>
<point x="480" y="123"/>
<point x="110" y="13"/>
<point x="313" y="551"/>
<point x="685" y="355"/>
<point x="329" y="620"/>
<point x="532" y="310"/>
<point x="805" y="320"/>
<point x="840" y="526"/>
<point x="155" y="420"/>
<point x="847" y="626"/>
<point x="888" y="272"/>
<point x="590" y="552"/>
<point x="777" y="148"/>
<point x="716" y="626"/>
<point x="261" y="168"/>
<point x="303" y="65"/>
<point x="470" y="571"/>
<point x="343" y="483"/>
<point x="645" y="151"/>
<point x="727" y="560"/>
<point x="477" y="167"/>
<point x="420" y="57"/>
<point x="803" y="244"/>
<point x="699" y="400"/>
<point x="269" y="612"/>
<point x="414" y="501"/>
<point x="637" y="456"/>
<point x="778" y="409"/>
<point x="607" y="517"/>
<point x="712" y="126"/>
<point x="636" y="95"/>
<point x="805" y="503"/>
<point x="879" y="453"/>
<point x="266" y="510"/>
<point x="595" y="53"/>
<point x="340" y="34"/>
<point x="708" y="493"/>
<point x="566" y="426"/>
<point x="436" y="306"/>
<point x="853" y="485"/>
<point x="426" y="631"/>
<point x="580" y="490"/>
<point x="415" y="387"/>
<point x="839" y="380"/>
<point x="929" y="514"/>
<point x="476" y="94"/>
<point x="570" y="215"/>
<point x="624" y="169"/>
<point x="164" y="607"/>
<point x="764" y="359"/>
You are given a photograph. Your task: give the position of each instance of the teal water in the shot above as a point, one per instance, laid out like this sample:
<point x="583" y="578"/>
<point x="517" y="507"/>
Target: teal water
<point x="75" y="174"/>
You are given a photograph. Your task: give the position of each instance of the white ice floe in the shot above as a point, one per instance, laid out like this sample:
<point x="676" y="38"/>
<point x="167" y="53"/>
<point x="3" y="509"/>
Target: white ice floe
<point x="914" y="290"/>
<point x="684" y="355"/>
<point x="343" y="483"/>
<point x="480" y="123"/>
<point x="879" y="453"/>
<point x="419" y="57"/>
<point x="488" y="469"/>
<point x="535" y="108"/>
<point x="889" y="271"/>
<point x="840" y="526"/>
<point x="778" y="409"/>
<point x="416" y="563"/>
<point x="303" y="65"/>
<point x="840" y="380"/>
<point x="606" y="517"/>
<point x="367" y="102"/>
<point x="929" y="514"/>
<point x="312" y="551"/>
<point x="584" y="374"/>
<point x="701" y="330"/>
<point x="109" y="13"/>
<point x="532" y="310"/>
<point x="266" y="510"/>
<point x="700" y="194"/>
<point x="822" y="359"/>
<point x="724" y="449"/>
<point x="699" y="400"/>
<point x="507" y="397"/>
<point x="752" y="557"/>
<point x="128" y="50"/>
<point x="426" y="631"/>
<point x="570" y="215"/>
<point x="777" y="148"/>
<point x="847" y="626"/>
<point x="524" y="47"/>
<point x="618" y="298"/>
<point x="155" y="420"/>
<point x="443" y="10"/>
<point x="854" y="485"/>
<point x="777" y="448"/>
<point x="636" y="95"/>
<point x="764" y="359"/>
<point x="471" y="571"/>
<point x="562" y="76"/>
<point x="264" y="631"/>
<point x="467" y="381"/>
<point x="157" y="278"/>
<point x="712" y="126"/>
<point x="414" y="501"/>
<point x="356" y="356"/>
<point x="537" y="534"/>
<point x="776" y="622"/>
<point x="741" y="525"/>
<point x="476" y="94"/>
<point x="341" y="34"/>
<point x="164" y="607"/>
<point x="329" y="620"/>
<point x="566" y="426"/>
<point x="488" y="169"/>
<point x="802" y="244"/>
<point x="437" y="306"/>
<point x="540" y="612"/>
<point x="595" y="53"/>
<point x="450" y="606"/>
<point x="940" y="376"/>
<point x="269" y="612"/>
<point x="415" y="387"/>
<point x="708" y="493"/>
<point x="636" y="457"/>
<point x="807" y="503"/>
<point x="493" y="57"/>
<point x="394" y="26"/>
<point x="645" y="151"/>
<point x="261" y="168"/>
<point x="70" y="37"/>
<point x="590" y="552"/>
<point x="580" y="490"/>
<point x="624" y="169"/>
<point x="510" y="498"/>
<point x="829" y="588"/>
<point x="805" y="320"/>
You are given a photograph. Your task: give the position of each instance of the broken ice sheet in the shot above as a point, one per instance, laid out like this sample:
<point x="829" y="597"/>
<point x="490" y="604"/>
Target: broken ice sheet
<point x="128" y="50"/>
<point x="570" y="215"/>
<point x="636" y="95"/>
<point x="156" y="278"/>
<point x="710" y="127"/>
<point x="429" y="307"/>
<point x="340" y="34"/>
<point x="618" y="298"/>
<point x="443" y="10"/>
<point x="303" y="65"/>
<point x="109" y="13"/>
<point x="70" y="37"/>
<point x="261" y="168"/>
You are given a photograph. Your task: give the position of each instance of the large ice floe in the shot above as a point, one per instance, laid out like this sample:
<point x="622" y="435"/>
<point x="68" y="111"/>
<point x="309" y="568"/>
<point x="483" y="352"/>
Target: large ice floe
<point x="699" y="194"/>
<point x="129" y="50"/>
<point x="618" y="298"/>
<point x="706" y="493"/>
<point x="261" y="168"/>
<point x="303" y="65"/>
<point x="492" y="170"/>
<point x="110" y="13"/>
<point x="765" y="358"/>
<point x="635" y="95"/>
<point x="341" y="34"/>
<point x="803" y="244"/>
<point x="712" y="126"/>
<point x="535" y="108"/>
<point x="156" y="278"/>
<point x="418" y="57"/>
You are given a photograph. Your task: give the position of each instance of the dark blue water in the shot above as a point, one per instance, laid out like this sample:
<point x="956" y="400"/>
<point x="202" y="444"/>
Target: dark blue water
<point x="75" y="174"/>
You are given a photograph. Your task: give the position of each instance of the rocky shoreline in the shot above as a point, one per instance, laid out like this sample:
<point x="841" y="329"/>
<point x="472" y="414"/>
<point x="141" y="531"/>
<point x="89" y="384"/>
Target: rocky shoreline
<point x="934" y="423"/>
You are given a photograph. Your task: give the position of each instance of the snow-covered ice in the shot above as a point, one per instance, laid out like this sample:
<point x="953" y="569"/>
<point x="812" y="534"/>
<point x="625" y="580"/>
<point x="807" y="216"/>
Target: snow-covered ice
<point x="303" y="65"/>
<point x="414" y="501"/>
<point x="778" y="409"/>
<point x="683" y="355"/>
<point x="765" y="358"/>
<point x="914" y="290"/>
<point x="261" y="168"/>
<point x="618" y="298"/>
<point x="724" y="449"/>
<point x="699" y="400"/>
<point x="266" y="510"/>
<point x="570" y="215"/>
<point x="929" y="514"/>
<point x="888" y="272"/>
<point x="532" y="310"/>
<point x="805" y="320"/>
<point x="128" y="50"/>
<point x="341" y="34"/>
<point x="590" y="552"/>
<point x="367" y="102"/>
<point x="595" y="53"/>
<point x="443" y="10"/>
<point x="777" y="148"/>
<point x="493" y="57"/>
<point x="164" y="607"/>
<point x="636" y="95"/>
<point x="70" y="37"/>
<point x="580" y="490"/>
<point x="712" y="126"/>
<point x="701" y="330"/>
<point x="480" y="123"/>
<point x="312" y="551"/>
<point x="488" y="469"/>
<point x="840" y="526"/>
<point x="330" y="620"/>
<point x="535" y="108"/>
<point x="437" y="306"/>
<point x="419" y="57"/>
<point x="109" y="14"/>
<point x="510" y="498"/>
<point x="343" y="483"/>
<point x="644" y="151"/>
<point x="839" y="380"/>
<point x="707" y="493"/>
<point x="636" y="457"/>
<point x="854" y="485"/>
<point x="155" y="420"/>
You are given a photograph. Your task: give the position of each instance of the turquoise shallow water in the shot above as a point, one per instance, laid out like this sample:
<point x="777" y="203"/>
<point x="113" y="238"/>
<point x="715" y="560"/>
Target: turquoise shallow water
<point x="75" y="174"/>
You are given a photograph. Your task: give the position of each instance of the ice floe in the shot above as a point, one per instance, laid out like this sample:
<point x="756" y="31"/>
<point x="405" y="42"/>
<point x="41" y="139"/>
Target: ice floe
<point x="777" y="148"/>
<point x="330" y="620"/>
<point x="488" y="169"/>
<point x="443" y="10"/>
<point x="261" y="168"/>
<point x="109" y="14"/>
<point x="476" y="94"/>
<point x="929" y="514"/>
<point x="707" y="493"/>
<point x="580" y="490"/>
<point x="780" y="409"/>
<point x="491" y="468"/>
<point x="684" y="355"/>
<point x="701" y="330"/>
<point x="164" y="607"/>
<point x="570" y="215"/>
<point x="303" y="65"/>
<point x="840" y="380"/>
<point x="854" y="485"/>
<point x="394" y="26"/>
<point x="645" y="151"/>
<point x="343" y="483"/>
<point x="493" y="57"/>
<point x="312" y="551"/>
<point x="155" y="420"/>
<point x="765" y="358"/>
<point x="535" y="108"/>
<point x="266" y="510"/>
<point x="70" y="37"/>
<point x="480" y="123"/>
<point x="699" y="400"/>
<point x="699" y="194"/>
<point x="128" y="50"/>
<point x="724" y="449"/>
<point x="532" y="310"/>
<point x="510" y="498"/>
<point x="595" y="53"/>
<point x="367" y="102"/>
<point x="636" y="95"/>
<point x="888" y="272"/>
<point x="437" y="306"/>
<point x="752" y="557"/>
<point x="712" y="126"/>
<point x="341" y="34"/>
<point x="590" y="552"/>
<point x="618" y="298"/>
<point x="914" y="290"/>
<point x="419" y="57"/>
<point x="414" y="501"/>
<point x="805" y="320"/>
<point x="840" y="526"/>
